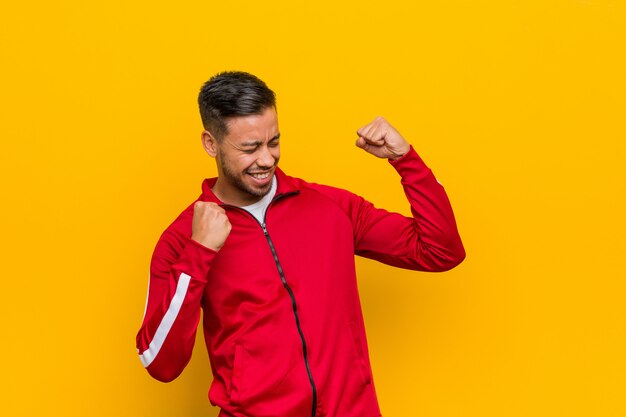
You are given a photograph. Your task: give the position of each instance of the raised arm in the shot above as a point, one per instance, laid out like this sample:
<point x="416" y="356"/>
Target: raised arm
<point x="429" y="241"/>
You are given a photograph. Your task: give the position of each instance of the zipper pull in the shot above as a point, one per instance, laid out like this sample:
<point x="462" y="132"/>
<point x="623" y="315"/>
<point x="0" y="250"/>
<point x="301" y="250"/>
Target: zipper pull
<point x="264" y="229"/>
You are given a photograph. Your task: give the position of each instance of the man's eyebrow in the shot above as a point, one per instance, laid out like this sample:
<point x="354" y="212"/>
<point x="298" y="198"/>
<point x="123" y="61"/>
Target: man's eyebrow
<point x="252" y="143"/>
<point x="258" y="142"/>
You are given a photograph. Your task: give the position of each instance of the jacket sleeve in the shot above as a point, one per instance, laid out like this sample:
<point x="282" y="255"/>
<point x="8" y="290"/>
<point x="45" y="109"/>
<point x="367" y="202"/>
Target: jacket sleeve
<point x="429" y="241"/>
<point x="178" y="272"/>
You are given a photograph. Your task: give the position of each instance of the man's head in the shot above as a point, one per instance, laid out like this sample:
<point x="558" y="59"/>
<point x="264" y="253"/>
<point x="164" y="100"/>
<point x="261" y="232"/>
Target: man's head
<point x="232" y="94"/>
<point x="241" y="132"/>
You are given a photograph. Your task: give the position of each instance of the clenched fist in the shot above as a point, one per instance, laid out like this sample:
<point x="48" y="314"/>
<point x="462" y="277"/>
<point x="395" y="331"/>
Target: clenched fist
<point x="210" y="225"/>
<point x="382" y="140"/>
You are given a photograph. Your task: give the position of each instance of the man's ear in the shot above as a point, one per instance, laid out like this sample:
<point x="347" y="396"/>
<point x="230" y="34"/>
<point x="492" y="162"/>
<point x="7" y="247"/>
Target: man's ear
<point x="209" y="143"/>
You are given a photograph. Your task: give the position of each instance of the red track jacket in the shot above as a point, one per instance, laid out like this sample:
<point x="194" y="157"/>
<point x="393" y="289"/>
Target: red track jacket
<point x="282" y="318"/>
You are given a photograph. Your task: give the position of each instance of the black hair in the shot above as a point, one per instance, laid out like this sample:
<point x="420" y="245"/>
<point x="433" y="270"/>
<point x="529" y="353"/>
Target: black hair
<point x="230" y="94"/>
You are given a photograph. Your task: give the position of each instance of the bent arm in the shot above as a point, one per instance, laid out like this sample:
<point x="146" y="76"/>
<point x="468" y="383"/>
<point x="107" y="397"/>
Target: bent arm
<point x="177" y="278"/>
<point x="429" y="241"/>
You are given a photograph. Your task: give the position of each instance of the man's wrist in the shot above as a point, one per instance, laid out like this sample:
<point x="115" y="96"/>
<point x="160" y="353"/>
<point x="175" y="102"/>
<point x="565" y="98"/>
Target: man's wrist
<point x="401" y="154"/>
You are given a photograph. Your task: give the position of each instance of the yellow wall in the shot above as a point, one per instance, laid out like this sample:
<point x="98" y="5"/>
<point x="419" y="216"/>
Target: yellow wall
<point x="518" y="106"/>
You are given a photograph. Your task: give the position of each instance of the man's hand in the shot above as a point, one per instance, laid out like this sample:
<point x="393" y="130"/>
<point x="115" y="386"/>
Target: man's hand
<point x="210" y="225"/>
<point x="381" y="139"/>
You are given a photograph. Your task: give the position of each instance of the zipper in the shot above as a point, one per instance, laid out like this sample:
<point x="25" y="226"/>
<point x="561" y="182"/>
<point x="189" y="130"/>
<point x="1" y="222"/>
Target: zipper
<point x="289" y="290"/>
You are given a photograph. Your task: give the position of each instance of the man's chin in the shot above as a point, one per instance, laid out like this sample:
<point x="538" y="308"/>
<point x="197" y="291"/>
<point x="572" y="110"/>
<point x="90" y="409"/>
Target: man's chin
<point x="261" y="191"/>
<point x="256" y="190"/>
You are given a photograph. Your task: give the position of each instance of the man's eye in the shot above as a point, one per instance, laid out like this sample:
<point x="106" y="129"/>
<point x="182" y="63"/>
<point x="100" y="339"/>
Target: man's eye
<point x="249" y="150"/>
<point x="274" y="144"/>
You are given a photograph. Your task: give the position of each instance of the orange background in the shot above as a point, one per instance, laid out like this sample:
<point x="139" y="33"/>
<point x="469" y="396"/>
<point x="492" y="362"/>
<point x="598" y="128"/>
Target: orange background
<point x="517" y="106"/>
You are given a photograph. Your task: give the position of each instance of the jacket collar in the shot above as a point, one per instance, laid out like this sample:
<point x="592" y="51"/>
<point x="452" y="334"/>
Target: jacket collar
<point x="286" y="185"/>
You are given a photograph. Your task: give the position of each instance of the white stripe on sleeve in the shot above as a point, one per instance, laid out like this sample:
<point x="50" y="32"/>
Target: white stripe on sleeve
<point x="166" y="323"/>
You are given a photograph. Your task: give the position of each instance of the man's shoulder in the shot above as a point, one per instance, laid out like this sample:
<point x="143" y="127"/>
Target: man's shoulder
<point x="314" y="187"/>
<point x="179" y="230"/>
<point x="340" y="197"/>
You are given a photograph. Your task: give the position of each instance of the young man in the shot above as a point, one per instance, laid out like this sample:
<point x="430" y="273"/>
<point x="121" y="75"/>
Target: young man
<point x="270" y="260"/>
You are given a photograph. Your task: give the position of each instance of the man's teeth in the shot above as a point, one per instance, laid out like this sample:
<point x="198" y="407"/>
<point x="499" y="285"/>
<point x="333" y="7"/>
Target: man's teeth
<point x="261" y="176"/>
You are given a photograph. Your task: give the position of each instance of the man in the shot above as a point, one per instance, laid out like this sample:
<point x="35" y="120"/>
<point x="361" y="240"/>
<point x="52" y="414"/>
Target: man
<point x="270" y="260"/>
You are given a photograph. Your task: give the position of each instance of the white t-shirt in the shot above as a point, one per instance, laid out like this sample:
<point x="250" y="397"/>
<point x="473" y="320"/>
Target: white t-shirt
<point x="258" y="209"/>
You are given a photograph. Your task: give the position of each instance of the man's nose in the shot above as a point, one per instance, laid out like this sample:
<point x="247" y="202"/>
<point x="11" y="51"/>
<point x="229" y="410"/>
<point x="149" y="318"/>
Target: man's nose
<point x="265" y="158"/>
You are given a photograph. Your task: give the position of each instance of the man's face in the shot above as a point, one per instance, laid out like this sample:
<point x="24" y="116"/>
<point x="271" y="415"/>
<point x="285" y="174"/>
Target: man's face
<point x="247" y="157"/>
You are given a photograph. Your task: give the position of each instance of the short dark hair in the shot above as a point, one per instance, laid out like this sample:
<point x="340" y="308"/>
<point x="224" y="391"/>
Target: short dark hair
<point x="230" y="94"/>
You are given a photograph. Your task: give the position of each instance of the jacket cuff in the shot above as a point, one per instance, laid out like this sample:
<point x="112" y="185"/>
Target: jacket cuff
<point x="410" y="165"/>
<point x="195" y="260"/>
